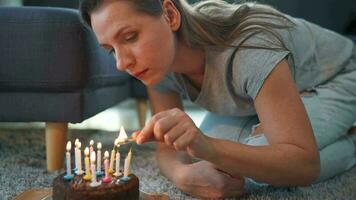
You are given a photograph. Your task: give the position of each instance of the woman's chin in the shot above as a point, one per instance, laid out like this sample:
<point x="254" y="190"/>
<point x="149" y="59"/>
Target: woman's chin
<point x="150" y="82"/>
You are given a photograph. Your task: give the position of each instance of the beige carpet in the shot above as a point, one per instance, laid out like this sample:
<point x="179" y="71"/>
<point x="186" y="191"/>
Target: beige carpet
<point x="22" y="166"/>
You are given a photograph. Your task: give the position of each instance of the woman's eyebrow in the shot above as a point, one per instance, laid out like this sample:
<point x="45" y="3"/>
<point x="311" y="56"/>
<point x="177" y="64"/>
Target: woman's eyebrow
<point x="116" y="34"/>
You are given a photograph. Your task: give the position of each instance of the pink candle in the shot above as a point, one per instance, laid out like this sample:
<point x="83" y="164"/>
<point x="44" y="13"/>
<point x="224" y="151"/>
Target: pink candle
<point x="117" y="165"/>
<point x="107" y="178"/>
<point x="98" y="166"/>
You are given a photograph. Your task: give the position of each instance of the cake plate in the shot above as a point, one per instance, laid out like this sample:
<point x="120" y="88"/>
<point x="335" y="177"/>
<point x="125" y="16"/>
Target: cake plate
<point x="46" y="194"/>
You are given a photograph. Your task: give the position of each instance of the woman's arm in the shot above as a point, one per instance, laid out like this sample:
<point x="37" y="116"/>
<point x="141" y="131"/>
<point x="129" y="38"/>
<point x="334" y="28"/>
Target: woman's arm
<point x="169" y="160"/>
<point x="199" y="179"/>
<point x="292" y="158"/>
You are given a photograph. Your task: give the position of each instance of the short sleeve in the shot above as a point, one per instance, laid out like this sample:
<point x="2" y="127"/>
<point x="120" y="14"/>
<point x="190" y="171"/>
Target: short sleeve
<point x="251" y="67"/>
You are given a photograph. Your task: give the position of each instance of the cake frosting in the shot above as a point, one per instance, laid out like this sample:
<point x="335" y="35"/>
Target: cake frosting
<point x="78" y="188"/>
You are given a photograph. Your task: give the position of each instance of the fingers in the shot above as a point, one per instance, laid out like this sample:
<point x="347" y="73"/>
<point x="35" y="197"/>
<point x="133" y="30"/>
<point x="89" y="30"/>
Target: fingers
<point x="158" y="125"/>
<point x="172" y="135"/>
<point x="163" y="126"/>
<point x="183" y="141"/>
<point x="147" y="131"/>
<point x="135" y="134"/>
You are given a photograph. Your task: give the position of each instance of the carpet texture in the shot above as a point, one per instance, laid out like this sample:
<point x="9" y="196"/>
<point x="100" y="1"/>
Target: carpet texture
<point x="22" y="166"/>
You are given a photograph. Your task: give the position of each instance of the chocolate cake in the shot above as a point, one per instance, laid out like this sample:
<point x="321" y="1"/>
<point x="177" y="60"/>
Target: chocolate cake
<point x="77" y="188"/>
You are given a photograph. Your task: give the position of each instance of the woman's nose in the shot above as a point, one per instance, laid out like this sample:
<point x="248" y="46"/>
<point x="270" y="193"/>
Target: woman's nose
<point x="124" y="60"/>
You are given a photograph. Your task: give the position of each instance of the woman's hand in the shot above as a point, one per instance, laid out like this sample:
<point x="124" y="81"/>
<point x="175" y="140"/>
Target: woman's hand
<point x="175" y="128"/>
<point x="202" y="179"/>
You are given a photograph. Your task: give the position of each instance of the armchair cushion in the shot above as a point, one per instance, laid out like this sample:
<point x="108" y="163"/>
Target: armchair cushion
<point x="52" y="68"/>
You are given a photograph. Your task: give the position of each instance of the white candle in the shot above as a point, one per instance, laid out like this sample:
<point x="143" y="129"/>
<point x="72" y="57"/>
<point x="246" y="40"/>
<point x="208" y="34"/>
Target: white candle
<point x="127" y="166"/>
<point x="76" y="153"/>
<point x="79" y="155"/>
<point x="117" y="169"/>
<point x="69" y="146"/>
<point x="91" y="148"/>
<point x="94" y="182"/>
<point x="98" y="167"/>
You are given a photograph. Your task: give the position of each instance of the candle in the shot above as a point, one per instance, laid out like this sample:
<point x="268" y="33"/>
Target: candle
<point x="76" y="154"/>
<point x="94" y="182"/>
<point x="87" y="176"/>
<point x="107" y="178"/>
<point x="91" y="148"/>
<point x="127" y="166"/>
<point x="117" y="169"/>
<point x="69" y="174"/>
<point x="98" y="166"/>
<point x="112" y="158"/>
<point x="79" y="156"/>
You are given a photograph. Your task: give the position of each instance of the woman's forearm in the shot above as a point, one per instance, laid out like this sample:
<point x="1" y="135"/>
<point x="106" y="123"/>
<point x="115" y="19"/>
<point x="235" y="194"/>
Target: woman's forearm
<point x="169" y="161"/>
<point x="279" y="164"/>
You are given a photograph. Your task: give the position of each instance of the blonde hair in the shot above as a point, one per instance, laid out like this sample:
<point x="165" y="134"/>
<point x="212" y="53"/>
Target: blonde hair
<point x="211" y="22"/>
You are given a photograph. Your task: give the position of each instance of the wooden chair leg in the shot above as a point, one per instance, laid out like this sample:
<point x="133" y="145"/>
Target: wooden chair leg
<point x="141" y="111"/>
<point x="56" y="137"/>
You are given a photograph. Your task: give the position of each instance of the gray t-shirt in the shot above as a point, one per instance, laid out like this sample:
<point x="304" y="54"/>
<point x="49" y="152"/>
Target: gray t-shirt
<point x="315" y="55"/>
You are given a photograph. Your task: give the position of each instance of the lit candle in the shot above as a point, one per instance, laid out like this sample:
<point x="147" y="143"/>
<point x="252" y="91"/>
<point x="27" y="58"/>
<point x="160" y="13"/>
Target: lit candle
<point x="87" y="176"/>
<point x="76" y="154"/>
<point x="127" y="166"/>
<point x="79" y="155"/>
<point x="117" y="169"/>
<point x="94" y="182"/>
<point x="91" y="148"/>
<point x="69" y="174"/>
<point x="98" y="166"/>
<point x="107" y="178"/>
<point x="112" y="158"/>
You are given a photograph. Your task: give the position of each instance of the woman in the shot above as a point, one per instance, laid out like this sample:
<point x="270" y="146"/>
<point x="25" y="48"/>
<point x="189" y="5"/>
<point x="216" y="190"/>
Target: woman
<point x="281" y="91"/>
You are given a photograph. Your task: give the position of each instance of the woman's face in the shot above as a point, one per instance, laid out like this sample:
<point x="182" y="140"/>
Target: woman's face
<point x="143" y="45"/>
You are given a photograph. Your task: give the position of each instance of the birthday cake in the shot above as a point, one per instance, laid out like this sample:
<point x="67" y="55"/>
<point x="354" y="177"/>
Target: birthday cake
<point x="97" y="181"/>
<point x="77" y="188"/>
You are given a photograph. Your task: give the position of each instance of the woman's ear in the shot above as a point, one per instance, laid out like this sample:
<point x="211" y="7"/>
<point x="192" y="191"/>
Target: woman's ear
<point x="171" y="14"/>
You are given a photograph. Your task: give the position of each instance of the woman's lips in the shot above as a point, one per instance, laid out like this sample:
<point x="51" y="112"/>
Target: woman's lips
<point x="141" y="73"/>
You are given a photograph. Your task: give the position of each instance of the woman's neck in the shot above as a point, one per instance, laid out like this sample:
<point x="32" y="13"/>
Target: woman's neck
<point x="190" y="62"/>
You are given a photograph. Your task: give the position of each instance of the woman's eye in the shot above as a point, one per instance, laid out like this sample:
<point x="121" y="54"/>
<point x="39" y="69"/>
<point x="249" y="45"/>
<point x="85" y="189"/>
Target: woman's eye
<point x="131" y="37"/>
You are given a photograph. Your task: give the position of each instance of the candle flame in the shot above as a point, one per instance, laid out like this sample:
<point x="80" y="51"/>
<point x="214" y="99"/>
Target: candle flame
<point x="69" y="145"/>
<point x="91" y="142"/>
<point x="76" y="142"/>
<point x="122" y="136"/>
<point x="106" y="154"/>
<point x="99" y="145"/>
<point x="116" y="142"/>
<point x="92" y="156"/>
<point x="86" y="151"/>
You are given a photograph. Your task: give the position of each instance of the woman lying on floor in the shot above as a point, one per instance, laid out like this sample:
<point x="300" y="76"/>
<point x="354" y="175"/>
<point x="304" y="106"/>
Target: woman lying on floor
<point x="280" y="91"/>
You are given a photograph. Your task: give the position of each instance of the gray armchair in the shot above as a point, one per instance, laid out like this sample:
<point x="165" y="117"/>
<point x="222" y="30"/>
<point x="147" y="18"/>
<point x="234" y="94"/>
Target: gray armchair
<point x="52" y="70"/>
